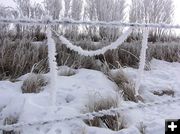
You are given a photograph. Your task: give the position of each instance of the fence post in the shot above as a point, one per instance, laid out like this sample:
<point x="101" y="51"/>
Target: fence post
<point x="52" y="64"/>
<point x="142" y="58"/>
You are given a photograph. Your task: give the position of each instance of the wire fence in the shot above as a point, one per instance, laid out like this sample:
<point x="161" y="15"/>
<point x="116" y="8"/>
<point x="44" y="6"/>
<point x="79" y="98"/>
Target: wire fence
<point x="102" y="113"/>
<point x="89" y="116"/>
<point x="47" y="21"/>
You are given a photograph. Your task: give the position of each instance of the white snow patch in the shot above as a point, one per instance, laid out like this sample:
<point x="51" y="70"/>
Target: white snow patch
<point x="74" y="92"/>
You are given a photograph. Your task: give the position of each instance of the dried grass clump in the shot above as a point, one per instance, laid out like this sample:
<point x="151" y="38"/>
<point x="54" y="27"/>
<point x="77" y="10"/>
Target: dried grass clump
<point x="17" y="57"/>
<point x="125" y="84"/>
<point x="88" y="63"/>
<point x="168" y="92"/>
<point x="9" y="121"/>
<point x="113" y="122"/>
<point x="72" y="59"/>
<point x="34" y="83"/>
<point x="168" y="51"/>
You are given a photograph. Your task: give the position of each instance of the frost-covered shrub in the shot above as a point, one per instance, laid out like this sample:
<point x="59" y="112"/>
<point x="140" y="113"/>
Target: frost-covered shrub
<point x="9" y="121"/>
<point x="128" y="53"/>
<point x="73" y="59"/>
<point x="163" y="51"/>
<point x="126" y="85"/>
<point x="34" y="83"/>
<point x="87" y="62"/>
<point x="113" y="122"/>
<point x="18" y="57"/>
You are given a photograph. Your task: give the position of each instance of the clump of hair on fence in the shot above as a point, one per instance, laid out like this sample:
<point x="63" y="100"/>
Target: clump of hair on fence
<point x="113" y="122"/>
<point x="34" y="83"/>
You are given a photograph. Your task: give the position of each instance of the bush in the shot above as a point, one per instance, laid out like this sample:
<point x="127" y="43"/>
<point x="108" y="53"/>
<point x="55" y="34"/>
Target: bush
<point x="17" y="58"/>
<point x="9" y="121"/>
<point x="163" y="51"/>
<point x="113" y="122"/>
<point x="128" y="53"/>
<point x="126" y="86"/>
<point x="34" y="83"/>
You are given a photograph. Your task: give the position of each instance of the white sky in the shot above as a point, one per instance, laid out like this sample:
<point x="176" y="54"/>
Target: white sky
<point x="176" y="4"/>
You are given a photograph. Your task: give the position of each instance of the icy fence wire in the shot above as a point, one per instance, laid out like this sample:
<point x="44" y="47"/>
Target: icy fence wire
<point x="87" y="116"/>
<point x="91" y="53"/>
<point x="91" y="23"/>
<point x="114" y="45"/>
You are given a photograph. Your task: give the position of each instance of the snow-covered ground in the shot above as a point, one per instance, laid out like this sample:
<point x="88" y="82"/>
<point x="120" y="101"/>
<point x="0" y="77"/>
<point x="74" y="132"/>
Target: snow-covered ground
<point x="75" y="92"/>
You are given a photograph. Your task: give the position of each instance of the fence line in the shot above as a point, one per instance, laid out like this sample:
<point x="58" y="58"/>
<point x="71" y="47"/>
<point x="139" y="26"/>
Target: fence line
<point x="114" y="45"/>
<point x="90" y="23"/>
<point x="87" y="116"/>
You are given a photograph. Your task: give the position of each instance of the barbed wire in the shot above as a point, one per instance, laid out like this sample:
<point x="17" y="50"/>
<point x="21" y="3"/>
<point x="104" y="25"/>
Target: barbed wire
<point x="88" y="116"/>
<point x="113" y="45"/>
<point x="90" y="23"/>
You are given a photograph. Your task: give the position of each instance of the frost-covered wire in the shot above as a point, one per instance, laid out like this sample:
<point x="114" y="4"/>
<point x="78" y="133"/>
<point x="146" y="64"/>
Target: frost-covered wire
<point x="52" y="63"/>
<point x="81" y="22"/>
<point x="88" y="116"/>
<point x="112" y="46"/>
<point x="142" y="60"/>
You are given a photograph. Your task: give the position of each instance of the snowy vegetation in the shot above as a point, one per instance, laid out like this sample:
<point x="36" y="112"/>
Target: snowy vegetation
<point x="73" y="79"/>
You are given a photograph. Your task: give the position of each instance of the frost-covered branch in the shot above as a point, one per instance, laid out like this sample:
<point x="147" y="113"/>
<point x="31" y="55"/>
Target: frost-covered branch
<point x="112" y="46"/>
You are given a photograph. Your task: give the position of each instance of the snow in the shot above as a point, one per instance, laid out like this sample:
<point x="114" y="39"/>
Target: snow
<point x="74" y="92"/>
